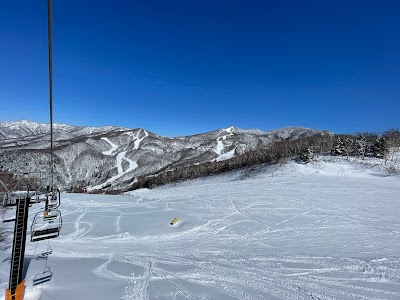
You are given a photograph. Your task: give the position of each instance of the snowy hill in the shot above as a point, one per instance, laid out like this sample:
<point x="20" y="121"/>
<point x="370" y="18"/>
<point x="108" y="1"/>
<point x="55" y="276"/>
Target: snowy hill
<point x="101" y="158"/>
<point x="24" y="128"/>
<point x="325" y="230"/>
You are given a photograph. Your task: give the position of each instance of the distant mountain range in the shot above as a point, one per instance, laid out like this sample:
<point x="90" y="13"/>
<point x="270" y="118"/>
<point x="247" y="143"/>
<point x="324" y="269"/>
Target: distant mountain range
<point x="104" y="158"/>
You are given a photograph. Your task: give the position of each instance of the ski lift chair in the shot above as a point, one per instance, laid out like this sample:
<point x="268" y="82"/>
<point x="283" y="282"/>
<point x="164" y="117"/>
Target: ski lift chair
<point x="43" y="229"/>
<point x="42" y="277"/>
<point x="51" y="215"/>
<point x="53" y="199"/>
<point x="38" y="197"/>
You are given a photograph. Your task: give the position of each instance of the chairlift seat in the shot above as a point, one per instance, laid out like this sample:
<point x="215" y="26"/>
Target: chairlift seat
<point x="45" y="234"/>
<point x="51" y="217"/>
<point x="37" y="198"/>
<point x="42" y="277"/>
<point x="9" y="220"/>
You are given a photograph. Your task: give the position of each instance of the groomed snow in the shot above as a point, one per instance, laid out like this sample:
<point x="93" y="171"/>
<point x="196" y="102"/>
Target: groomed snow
<point x="120" y="157"/>
<point x="113" y="147"/>
<point x="221" y="147"/>
<point x="139" y="140"/>
<point x="330" y="230"/>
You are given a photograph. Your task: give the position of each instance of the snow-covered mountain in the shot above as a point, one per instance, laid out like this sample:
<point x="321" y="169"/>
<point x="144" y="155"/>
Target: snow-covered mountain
<point x="105" y="157"/>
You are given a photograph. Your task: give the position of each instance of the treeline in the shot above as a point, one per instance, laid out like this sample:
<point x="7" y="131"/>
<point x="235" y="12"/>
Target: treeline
<point x="304" y="149"/>
<point x="8" y="180"/>
<point x="361" y="145"/>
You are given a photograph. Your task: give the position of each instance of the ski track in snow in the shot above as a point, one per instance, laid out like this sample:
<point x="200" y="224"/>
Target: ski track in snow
<point x="113" y="146"/>
<point x="136" y="137"/>
<point x="118" y="224"/>
<point x="220" y="145"/>
<point x="145" y="288"/>
<point x="298" y="236"/>
<point x="120" y="157"/>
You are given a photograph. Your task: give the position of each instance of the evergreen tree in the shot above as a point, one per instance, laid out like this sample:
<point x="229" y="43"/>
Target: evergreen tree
<point x="361" y="145"/>
<point x="307" y="154"/>
<point x="380" y="148"/>
<point x="338" y="147"/>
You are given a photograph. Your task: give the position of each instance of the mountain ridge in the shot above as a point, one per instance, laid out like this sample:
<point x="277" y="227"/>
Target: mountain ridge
<point x="107" y="157"/>
<point x="43" y="128"/>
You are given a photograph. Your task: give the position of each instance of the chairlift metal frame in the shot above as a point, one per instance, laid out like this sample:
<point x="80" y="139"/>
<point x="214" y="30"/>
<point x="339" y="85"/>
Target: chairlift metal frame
<point x="45" y="254"/>
<point x="42" y="277"/>
<point x="51" y="231"/>
<point x="24" y="181"/>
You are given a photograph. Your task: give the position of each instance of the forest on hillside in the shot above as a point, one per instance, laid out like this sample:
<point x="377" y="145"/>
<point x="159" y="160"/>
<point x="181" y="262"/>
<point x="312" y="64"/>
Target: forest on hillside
<point x="361" y="145"/>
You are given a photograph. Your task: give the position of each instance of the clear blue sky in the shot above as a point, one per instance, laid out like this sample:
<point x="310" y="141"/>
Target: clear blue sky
<point x="186" y="67"/>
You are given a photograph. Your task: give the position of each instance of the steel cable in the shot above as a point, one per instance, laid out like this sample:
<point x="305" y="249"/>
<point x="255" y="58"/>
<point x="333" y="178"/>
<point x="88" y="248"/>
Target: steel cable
<point x="50" y="38"/>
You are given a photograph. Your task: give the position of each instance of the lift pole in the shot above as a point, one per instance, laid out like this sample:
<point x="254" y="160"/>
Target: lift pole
<point x="16" y="288"/>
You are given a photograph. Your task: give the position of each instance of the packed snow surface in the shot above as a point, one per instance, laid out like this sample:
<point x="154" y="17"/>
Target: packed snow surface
<point x="323" y="231"/>
<point x="137" y="139"/>
<point x="222" y="135"/>
<point x="120" y="157"/>
<point x="113" y="147"/>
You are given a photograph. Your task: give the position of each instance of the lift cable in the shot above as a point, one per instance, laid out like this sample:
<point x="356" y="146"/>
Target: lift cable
<point x="50" y="38"/>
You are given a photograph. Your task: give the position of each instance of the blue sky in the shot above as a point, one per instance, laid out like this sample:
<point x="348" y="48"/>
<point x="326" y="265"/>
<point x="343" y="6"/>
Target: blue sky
<point x="185" y="67"/>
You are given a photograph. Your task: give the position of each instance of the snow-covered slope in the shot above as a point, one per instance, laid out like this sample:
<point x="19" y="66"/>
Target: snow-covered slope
<point x="111" y="157"/>
<point x="328" y="230"/>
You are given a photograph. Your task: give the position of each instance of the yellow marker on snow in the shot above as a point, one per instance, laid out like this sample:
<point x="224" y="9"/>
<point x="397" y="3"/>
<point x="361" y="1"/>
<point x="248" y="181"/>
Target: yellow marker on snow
<point x="173" y="222"/>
